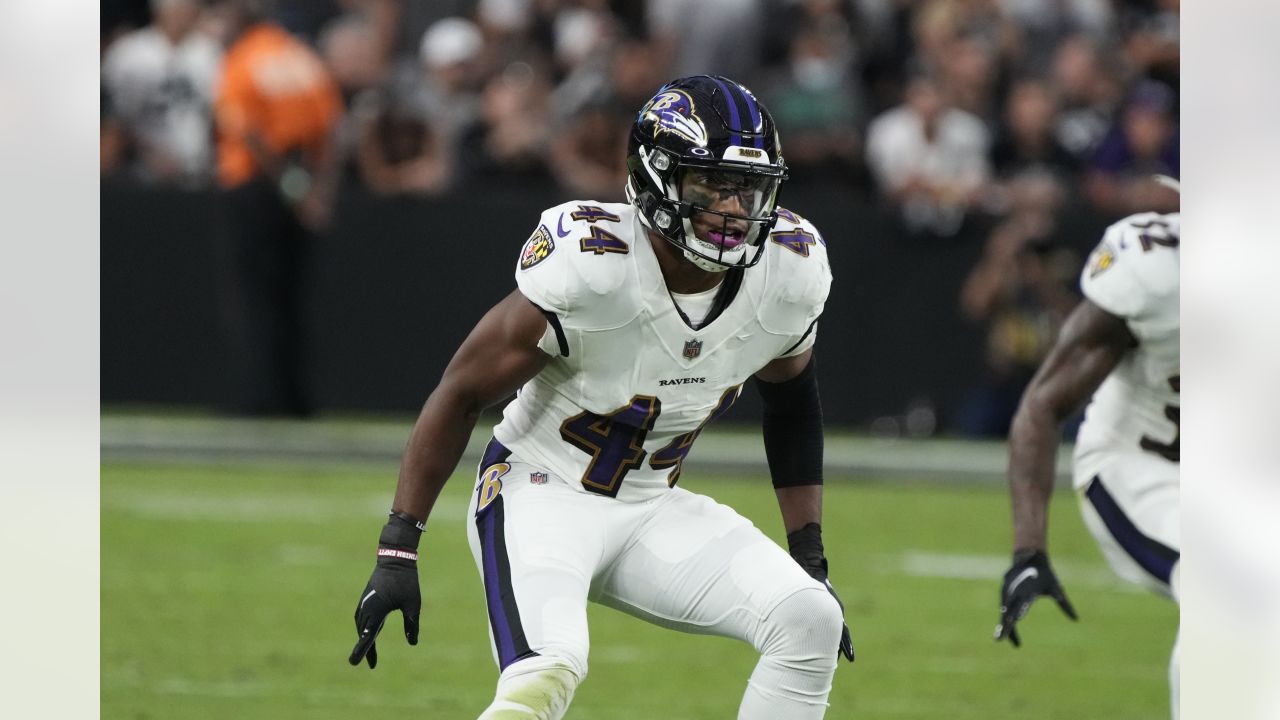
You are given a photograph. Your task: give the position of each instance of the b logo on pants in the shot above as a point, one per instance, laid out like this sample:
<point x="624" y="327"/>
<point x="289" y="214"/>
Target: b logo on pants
<point x="490" y="485"/>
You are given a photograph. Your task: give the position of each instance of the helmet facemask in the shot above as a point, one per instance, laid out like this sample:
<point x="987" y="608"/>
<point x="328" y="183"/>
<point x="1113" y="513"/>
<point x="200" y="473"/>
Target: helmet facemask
<point x="717" y="213"/>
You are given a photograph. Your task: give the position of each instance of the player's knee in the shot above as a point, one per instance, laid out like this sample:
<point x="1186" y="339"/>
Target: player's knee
<point x="805" y="626"/>
<point x="536" y="688"/>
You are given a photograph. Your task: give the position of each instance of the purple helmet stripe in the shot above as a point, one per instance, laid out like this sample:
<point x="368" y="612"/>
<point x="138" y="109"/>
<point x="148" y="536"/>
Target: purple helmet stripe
<point x="732" y="102"/>
<point x="757" y="126"/>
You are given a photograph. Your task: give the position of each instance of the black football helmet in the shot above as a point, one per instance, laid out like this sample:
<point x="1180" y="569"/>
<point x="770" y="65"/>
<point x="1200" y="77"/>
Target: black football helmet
<point x="704" y="156"/>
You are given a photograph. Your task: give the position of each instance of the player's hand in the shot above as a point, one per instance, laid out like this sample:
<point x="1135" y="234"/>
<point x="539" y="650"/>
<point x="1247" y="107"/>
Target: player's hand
<point x="392" y="586"/>
<point x="805" y="546"/>
<point x="1029" y="578"/>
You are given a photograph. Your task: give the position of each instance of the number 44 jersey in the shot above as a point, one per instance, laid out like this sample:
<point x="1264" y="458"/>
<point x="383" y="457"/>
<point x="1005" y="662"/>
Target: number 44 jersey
<point x="631" y="383"/>
<point x="1133" y="274"/>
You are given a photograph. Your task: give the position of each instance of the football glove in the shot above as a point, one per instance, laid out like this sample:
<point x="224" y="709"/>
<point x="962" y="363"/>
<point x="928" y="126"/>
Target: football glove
<point x="392" y="586"/>
<point x="1029" y="578"/>
<point x="806" y="549"/>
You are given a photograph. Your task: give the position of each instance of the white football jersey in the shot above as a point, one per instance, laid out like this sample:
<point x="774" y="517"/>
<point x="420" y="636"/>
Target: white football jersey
<point x="1133" y="273"/>
<point x="631" y="384"/>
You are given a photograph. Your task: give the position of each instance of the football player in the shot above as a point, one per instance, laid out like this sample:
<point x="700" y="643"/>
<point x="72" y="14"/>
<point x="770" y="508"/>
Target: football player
<point x="1120" y="346"/>
<point x="632" y="327"/>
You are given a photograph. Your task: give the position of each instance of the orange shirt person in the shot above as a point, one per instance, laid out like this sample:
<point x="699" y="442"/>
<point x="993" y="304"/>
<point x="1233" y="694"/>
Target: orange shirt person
<point x="276" y="109"/>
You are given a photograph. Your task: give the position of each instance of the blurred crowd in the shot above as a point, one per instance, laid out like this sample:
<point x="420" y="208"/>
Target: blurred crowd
<point x="1014" y="111"/>
<point x="939" y="107"/>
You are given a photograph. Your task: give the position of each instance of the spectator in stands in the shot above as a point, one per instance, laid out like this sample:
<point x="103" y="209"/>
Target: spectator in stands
<point x="587" y="155"/>
<point x="583" y="42"/>
<point x="1021" y="291"/>
<point x="633" y="73"/>
<point x="509" y="143"/>
<point x="158" y="84"/>
<point x="445" y="87"/>
<point x="721" y="37"/>
<point x="412" y="141"/>
<point x="929" y="160"/>
<point x="1027" y="140"/>
<point x="1143" y="143"/>
<point x="969" y="76"/>
<point x="356" y="56"/>
<point x="1045" y="24"/>
<point x="1151" y="43"/>
<point x="1087" y="93"/>
<point x="276" y="111"/>
<point x="815" y="97"/>
<point x="354" y="53"/>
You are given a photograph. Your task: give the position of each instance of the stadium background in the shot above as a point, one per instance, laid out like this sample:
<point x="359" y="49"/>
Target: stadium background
<point x="459" y="121"/>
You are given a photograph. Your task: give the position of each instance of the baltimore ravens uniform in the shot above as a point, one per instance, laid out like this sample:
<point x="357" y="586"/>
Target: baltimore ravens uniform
<point x="632" y="384"/>
<point x="1127" y="451"/>
<point x="577" y="496"/>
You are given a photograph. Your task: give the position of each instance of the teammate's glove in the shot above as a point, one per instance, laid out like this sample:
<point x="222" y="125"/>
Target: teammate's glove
<point x="393" y="586"/>
<point x="805" y="546"/>
<point x="1029" y="578"/>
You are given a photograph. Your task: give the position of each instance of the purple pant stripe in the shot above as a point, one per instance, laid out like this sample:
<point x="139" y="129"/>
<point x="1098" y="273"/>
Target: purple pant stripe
<point x="493" y="582"/>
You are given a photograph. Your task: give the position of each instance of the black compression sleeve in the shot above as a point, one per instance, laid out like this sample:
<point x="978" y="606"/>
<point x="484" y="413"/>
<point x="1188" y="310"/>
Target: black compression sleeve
<point x="793" y="428"/>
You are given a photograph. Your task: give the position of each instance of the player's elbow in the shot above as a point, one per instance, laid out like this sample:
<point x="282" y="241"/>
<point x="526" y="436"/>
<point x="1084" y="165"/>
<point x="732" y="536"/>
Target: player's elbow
<point x="456" y="400"/>
<point x="1039" y="411"/>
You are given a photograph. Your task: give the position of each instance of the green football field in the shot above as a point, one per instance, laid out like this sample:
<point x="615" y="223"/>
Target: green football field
<point x="227" y="592"/>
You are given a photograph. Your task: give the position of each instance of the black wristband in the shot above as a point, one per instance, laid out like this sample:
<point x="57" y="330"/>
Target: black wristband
<point x="805" y="546"/>
<point x="400" y="533"/>
<point x="407" y="518"/>
<point x="807" y="539"/>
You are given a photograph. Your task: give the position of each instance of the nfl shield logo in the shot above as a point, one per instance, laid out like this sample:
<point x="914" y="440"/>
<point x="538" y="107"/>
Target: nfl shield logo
<point x="538" y="478"/>
<point x="692" y="348"/>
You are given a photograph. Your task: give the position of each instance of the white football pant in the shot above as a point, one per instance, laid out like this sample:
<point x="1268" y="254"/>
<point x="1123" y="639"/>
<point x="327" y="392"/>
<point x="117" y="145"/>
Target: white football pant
<point x="681" y="560"/>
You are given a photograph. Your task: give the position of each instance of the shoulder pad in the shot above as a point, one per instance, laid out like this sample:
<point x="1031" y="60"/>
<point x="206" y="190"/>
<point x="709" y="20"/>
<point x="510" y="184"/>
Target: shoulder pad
<point x="579" y="264"/>
<point x="797" y="275"/>
<point x="1135" y="266"/>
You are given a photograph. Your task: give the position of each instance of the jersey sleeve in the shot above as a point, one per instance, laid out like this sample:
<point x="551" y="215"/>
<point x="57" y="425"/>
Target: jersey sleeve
<point x="1115" y="276"/>
<point x="583" y="289"/>
<point x="800" y="280"/>
<point x="541" y="272"/>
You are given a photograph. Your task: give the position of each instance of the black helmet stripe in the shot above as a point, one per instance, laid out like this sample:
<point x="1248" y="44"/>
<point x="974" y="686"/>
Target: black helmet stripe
<point x="741" y="105"/>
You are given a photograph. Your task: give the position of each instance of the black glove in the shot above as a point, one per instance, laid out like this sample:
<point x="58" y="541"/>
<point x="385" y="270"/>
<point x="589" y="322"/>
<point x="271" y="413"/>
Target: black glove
<point x="805" y="546"/>
<point x="1029" y="578"/>
<point x="393" y="586"/>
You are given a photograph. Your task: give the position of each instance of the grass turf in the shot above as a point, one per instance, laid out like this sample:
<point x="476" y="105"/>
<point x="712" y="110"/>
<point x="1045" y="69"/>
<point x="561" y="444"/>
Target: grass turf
<point x="227" y="591"/>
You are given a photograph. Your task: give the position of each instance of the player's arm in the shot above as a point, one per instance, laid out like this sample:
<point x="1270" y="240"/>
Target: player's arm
<point x="793" y="437"/>
<point x="499" y="356"/>
<point x="1091" y="344"/>
<point x="793" y="445"/>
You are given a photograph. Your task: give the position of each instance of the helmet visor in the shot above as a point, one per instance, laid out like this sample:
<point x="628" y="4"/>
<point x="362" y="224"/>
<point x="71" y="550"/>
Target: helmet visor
<point x="744" y="194"/>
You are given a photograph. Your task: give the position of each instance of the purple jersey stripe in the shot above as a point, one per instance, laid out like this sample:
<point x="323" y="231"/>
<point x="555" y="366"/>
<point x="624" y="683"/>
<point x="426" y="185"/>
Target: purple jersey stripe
<point x="732" y="102"/>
